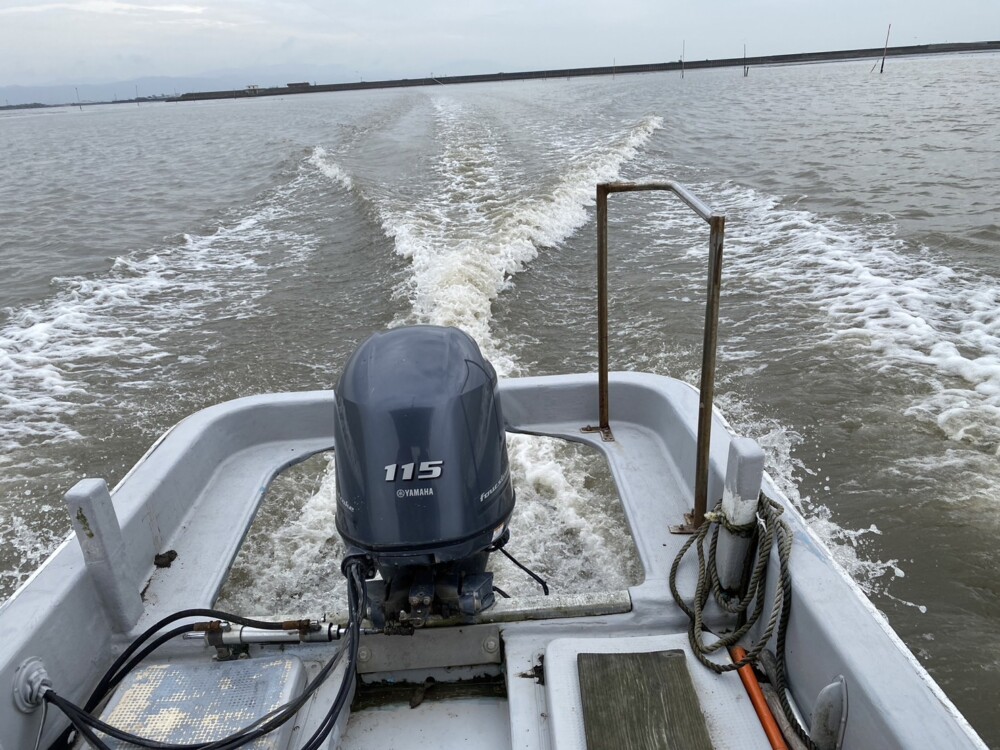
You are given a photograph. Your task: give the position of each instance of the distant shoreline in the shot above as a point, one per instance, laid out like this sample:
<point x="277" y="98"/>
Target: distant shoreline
<point x="88" y="103"/>
<point x="728" y="62"/>
<point x="751" y="62"/>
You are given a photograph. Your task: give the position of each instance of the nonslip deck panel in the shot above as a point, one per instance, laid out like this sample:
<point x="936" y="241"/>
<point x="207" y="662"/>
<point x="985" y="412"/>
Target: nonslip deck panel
<point x="202" y="702"/>
<point x="646" y="701"/>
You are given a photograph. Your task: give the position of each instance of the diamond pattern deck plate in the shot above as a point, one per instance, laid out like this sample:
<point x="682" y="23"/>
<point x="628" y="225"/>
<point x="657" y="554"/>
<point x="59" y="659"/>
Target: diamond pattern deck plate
<point x="185" y="703"/>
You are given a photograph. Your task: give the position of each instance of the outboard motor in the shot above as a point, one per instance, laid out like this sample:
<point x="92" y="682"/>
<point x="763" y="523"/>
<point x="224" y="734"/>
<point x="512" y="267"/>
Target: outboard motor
<point x="423" y="479"/>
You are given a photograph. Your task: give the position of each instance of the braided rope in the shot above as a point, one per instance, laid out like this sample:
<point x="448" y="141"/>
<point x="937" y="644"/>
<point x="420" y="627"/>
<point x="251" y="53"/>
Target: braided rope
<point x="770" y="529"/>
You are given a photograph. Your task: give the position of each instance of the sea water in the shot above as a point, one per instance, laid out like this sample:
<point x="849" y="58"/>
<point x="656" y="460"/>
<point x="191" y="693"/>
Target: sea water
<point x="161" y="258"/>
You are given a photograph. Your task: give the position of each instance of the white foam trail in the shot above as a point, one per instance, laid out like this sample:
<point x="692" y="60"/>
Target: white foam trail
<point x="465" y="246"/>
<point x="908" y="312"/>
<point x="32" y="542"/>
<point x="115" y="326"/>
<point x="289" y="563"/>
<point x="320" y="159"/>
<point x="465" y="243"/>
<point x="849" y="547"/>
<point x="102" y="339"/>
<point x="937" y="325"/>
<point x="897" y="310"/>
<point x="466" y="240"/>
<point x="567" y="526"/>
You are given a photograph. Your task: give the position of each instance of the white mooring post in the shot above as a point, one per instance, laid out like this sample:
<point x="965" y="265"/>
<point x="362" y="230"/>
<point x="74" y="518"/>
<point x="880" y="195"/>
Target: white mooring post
<point x="744" y="473"/>
<point x="96" y="525"/>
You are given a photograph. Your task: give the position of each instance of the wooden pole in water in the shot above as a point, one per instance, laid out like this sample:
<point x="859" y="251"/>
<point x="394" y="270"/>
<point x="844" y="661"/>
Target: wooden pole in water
<point x="682" y="58"/>
<point x="746" y="68"/>
<point x="78" y="102"/>
<point x="885" y="50"/>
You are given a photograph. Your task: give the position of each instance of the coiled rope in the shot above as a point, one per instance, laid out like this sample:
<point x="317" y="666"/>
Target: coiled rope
<point x="770" y="530"/>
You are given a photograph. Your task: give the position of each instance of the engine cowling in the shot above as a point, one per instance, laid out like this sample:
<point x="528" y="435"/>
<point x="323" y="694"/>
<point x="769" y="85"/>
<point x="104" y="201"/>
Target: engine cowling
<point x="423" y="477"/>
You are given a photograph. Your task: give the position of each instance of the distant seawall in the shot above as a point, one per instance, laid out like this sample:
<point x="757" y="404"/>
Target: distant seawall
<point x="805" y="57"/>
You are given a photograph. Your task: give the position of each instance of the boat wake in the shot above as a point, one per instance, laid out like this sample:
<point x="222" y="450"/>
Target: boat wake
<point x="476" y="224"/>
<point x="466" y="238"/>
<point x="911" y="314"/>
<point x="114" y="326"/>
<point x="930" y="330"/>
<point x="101" y="343"/>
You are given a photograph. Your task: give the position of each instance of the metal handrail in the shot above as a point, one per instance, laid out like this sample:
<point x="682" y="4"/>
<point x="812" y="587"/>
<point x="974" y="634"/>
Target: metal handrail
<point x="717" y="225"/>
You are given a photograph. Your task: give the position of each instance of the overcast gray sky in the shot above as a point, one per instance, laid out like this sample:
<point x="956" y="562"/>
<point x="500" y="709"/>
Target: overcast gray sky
<point x="66" y="41"/>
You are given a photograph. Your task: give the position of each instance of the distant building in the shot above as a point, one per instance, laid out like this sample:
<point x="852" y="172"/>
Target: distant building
<point x="301" y="85"/>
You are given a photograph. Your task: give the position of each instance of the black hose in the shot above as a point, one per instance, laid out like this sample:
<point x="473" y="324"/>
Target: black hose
<point x="103" y="685"/>
<point x="111" y="681"/>
<point x="538" y="579"/>
<point x="87" y="724"/>
<point x="356" y="599"/>
<point x="265" y="724"/>
<point x="76" y="722"/>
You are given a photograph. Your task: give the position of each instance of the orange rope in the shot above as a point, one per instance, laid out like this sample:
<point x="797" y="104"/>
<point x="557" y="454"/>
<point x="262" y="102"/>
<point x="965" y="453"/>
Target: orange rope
<point x="767" y="721"/>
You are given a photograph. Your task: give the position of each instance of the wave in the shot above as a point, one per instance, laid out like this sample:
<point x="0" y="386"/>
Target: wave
<point x="103" y="331"/>
<point x="467" y="233"/>
<point x="907" y="310"/>
<point x="466" y="240"/>
<point x="892" y="308"/>
<point x="566" y="526"/>
<point x="320" y="159"/>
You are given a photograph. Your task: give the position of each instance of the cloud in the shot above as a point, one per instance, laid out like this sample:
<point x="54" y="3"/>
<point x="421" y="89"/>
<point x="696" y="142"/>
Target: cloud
<point x="51" y="41"/>
<point x="108" y="7"/>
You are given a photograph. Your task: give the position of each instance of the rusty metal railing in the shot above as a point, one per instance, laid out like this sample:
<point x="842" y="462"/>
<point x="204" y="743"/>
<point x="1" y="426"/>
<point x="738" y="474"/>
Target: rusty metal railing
<point x="717" y="225"/>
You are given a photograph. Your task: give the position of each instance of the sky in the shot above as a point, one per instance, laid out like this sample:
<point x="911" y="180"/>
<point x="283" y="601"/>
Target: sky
<point x="46" y="42"/>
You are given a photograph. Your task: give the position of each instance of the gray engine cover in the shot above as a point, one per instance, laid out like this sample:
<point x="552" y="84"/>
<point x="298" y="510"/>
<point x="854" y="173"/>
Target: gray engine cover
<point x="422" y="469"/>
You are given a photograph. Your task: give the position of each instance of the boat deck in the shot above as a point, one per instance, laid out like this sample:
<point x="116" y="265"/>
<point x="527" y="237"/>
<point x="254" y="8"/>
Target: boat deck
<point x="533" y="698"/>
<point x="198" y="489"/>
<point x="530" y="645"/>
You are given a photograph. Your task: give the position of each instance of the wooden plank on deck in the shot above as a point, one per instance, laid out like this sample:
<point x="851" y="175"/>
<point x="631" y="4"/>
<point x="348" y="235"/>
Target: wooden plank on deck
<point x="640" y="700"/>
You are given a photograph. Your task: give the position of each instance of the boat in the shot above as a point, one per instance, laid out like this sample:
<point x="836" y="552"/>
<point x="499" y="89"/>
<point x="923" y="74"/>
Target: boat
<point x="743" y="632"/>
